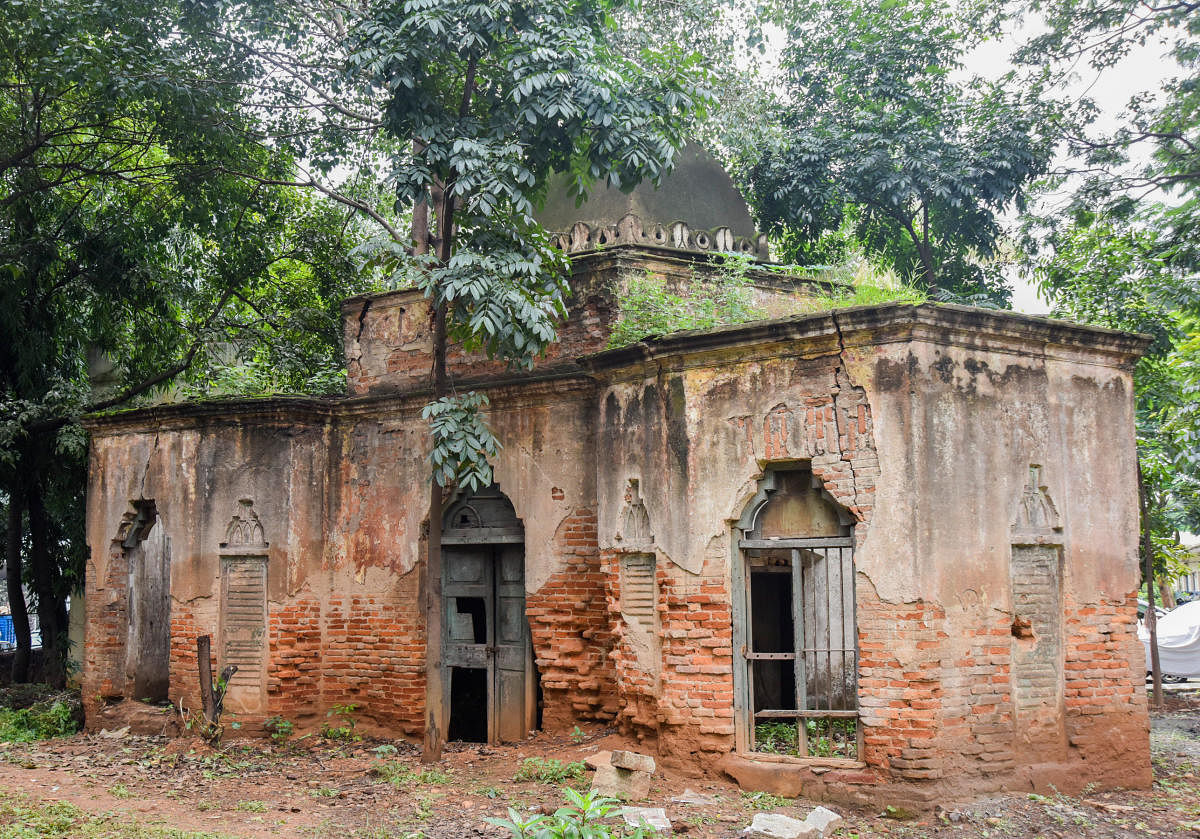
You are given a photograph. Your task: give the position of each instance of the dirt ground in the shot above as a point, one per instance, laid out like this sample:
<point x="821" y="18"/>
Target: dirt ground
<point x="317" y="788"/>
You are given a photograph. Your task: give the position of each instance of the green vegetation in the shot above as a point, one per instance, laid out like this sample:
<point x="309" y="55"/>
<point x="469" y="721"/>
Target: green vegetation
<point x="37" y="722"/>
<point x="344" y="730"/>
<point x="251" y="807"/>
<point x="400" y="775"/>
<point x="280" y="729"/>
<point x="21" y="818"/>
<point x="723" y="296"/>
<point x="882" y="136"/>
<point x="764" y="800"/>
<point x="549" y="771"/>
<point x="825" y="737"/>
<point x="583" y="816"/>
<point x="649" y="306"/>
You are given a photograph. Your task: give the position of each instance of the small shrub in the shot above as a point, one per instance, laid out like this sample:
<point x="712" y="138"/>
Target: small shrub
<point x="583" y="816"/>
<point x="549" y="771"/>
<point x="345" y="730"/>
<point x="37" y="722"/>
<point x="120" y="791"/>
<point x="578" y="735"/>
<point x="280" y="729"/>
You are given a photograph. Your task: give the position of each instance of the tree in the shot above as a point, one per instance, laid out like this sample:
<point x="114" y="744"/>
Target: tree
<point x="1121" y="272"/>
<point x="879" y="129"/>
<point x="489" y="99"/>
<point x="145" y="219"/>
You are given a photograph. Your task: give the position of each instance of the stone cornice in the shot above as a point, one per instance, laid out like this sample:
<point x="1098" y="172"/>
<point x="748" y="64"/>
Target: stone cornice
<point x="507" y="392"/>
<point x="267" y="410"/>
<point x="948" y="325"/>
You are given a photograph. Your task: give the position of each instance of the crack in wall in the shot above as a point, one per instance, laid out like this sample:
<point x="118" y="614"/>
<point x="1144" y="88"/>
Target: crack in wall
<point x="146" y="468"/>
<point x="840" y="371"/>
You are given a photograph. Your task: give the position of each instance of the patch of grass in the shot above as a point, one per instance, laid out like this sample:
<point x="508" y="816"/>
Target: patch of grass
<point x="651" y="306"/>
<point x="864" y="294"/>
<point x="120" y="791"/>
<point x="487" y="792"/>
<point x="398" y="775"/>
<point x="251" y="806"/>
<point x="21" y="818"/>
<point x="764" y="800"/>
<point x="324" y="792"/>
<point x="549" y="771"/>
<point x="37" y="722"/>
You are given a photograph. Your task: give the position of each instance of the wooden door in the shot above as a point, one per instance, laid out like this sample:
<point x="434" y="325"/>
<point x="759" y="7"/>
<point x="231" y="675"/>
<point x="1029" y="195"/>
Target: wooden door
<point x="486" y="635"/>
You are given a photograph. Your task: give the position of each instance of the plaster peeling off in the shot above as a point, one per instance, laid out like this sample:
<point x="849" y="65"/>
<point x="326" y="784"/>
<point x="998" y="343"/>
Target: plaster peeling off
<point x="857" y="431"/>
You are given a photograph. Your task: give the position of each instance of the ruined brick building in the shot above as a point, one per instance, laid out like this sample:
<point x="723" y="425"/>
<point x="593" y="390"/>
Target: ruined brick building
<point x="884" y="551"/>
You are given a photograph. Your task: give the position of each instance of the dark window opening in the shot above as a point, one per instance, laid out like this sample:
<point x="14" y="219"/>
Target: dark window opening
<point x="475" y="608"/>
<point x="468" y="705"/>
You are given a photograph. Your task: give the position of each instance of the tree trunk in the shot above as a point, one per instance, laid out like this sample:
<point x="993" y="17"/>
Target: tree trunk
<point x="435" y="696"/>
<point x="1165" y="594"/>
<point x="204" y="671"/>
<point x="16" y="594"/>
<point x="44" y="574"/>
<point x="1151" y="617"/>
<point x="435" y="712"/>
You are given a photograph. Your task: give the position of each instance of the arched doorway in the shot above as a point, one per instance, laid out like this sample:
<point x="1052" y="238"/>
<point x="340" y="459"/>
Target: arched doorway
<point x="486" y="652"/>
<point x="795" y="632"/>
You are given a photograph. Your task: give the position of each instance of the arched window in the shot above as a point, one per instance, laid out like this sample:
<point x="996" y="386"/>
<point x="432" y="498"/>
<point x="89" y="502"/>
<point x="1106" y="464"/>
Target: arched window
<point x="794" y="621"/>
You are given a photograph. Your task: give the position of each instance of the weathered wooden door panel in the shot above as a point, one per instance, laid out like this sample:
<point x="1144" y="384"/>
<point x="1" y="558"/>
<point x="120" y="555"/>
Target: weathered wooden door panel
<point x="149" y="651"/>
<point x="484" y="597"/>
<point x="512" y="643"/>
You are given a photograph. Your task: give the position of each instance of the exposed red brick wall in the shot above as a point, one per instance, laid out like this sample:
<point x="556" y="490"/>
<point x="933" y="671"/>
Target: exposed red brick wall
<point x="638" y="685"/>
<point x="1105" y="693"/>
<point x="185" y="672"/>
<point x="697" y="641"/>
<point x="107" y="631"/>
<point x="572" y="636"/>
<point x="977" y="723"/>
<point x="900" y="702"/>
<point x="686" y="709"/>
<point x="294" y="666"/>
<point x="373" y="657"/>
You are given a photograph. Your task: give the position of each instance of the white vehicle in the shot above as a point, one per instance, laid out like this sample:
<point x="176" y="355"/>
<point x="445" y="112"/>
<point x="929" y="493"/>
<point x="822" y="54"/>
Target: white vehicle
<point x="1178" y="641"/>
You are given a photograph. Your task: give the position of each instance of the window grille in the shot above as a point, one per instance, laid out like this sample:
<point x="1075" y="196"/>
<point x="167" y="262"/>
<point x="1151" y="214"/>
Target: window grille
<point x="802" y="652"/>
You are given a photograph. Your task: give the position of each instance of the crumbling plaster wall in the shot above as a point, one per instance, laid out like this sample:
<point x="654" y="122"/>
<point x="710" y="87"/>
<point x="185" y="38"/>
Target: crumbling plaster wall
<point x="924" y="423"/>
<point x="195" y="470"/>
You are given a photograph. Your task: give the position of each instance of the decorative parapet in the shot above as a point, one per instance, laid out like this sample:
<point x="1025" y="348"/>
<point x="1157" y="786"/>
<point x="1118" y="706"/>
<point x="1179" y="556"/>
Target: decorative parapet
<point x="632" y="230"/>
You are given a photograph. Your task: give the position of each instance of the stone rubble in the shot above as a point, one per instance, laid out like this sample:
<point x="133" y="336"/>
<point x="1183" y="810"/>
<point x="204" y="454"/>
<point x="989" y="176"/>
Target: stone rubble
<point x="776" y="826"/>
<point x="655" y="817"/>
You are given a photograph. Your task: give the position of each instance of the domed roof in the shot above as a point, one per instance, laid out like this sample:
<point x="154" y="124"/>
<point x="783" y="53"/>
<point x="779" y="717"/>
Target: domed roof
<point x="696" y="208"/>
